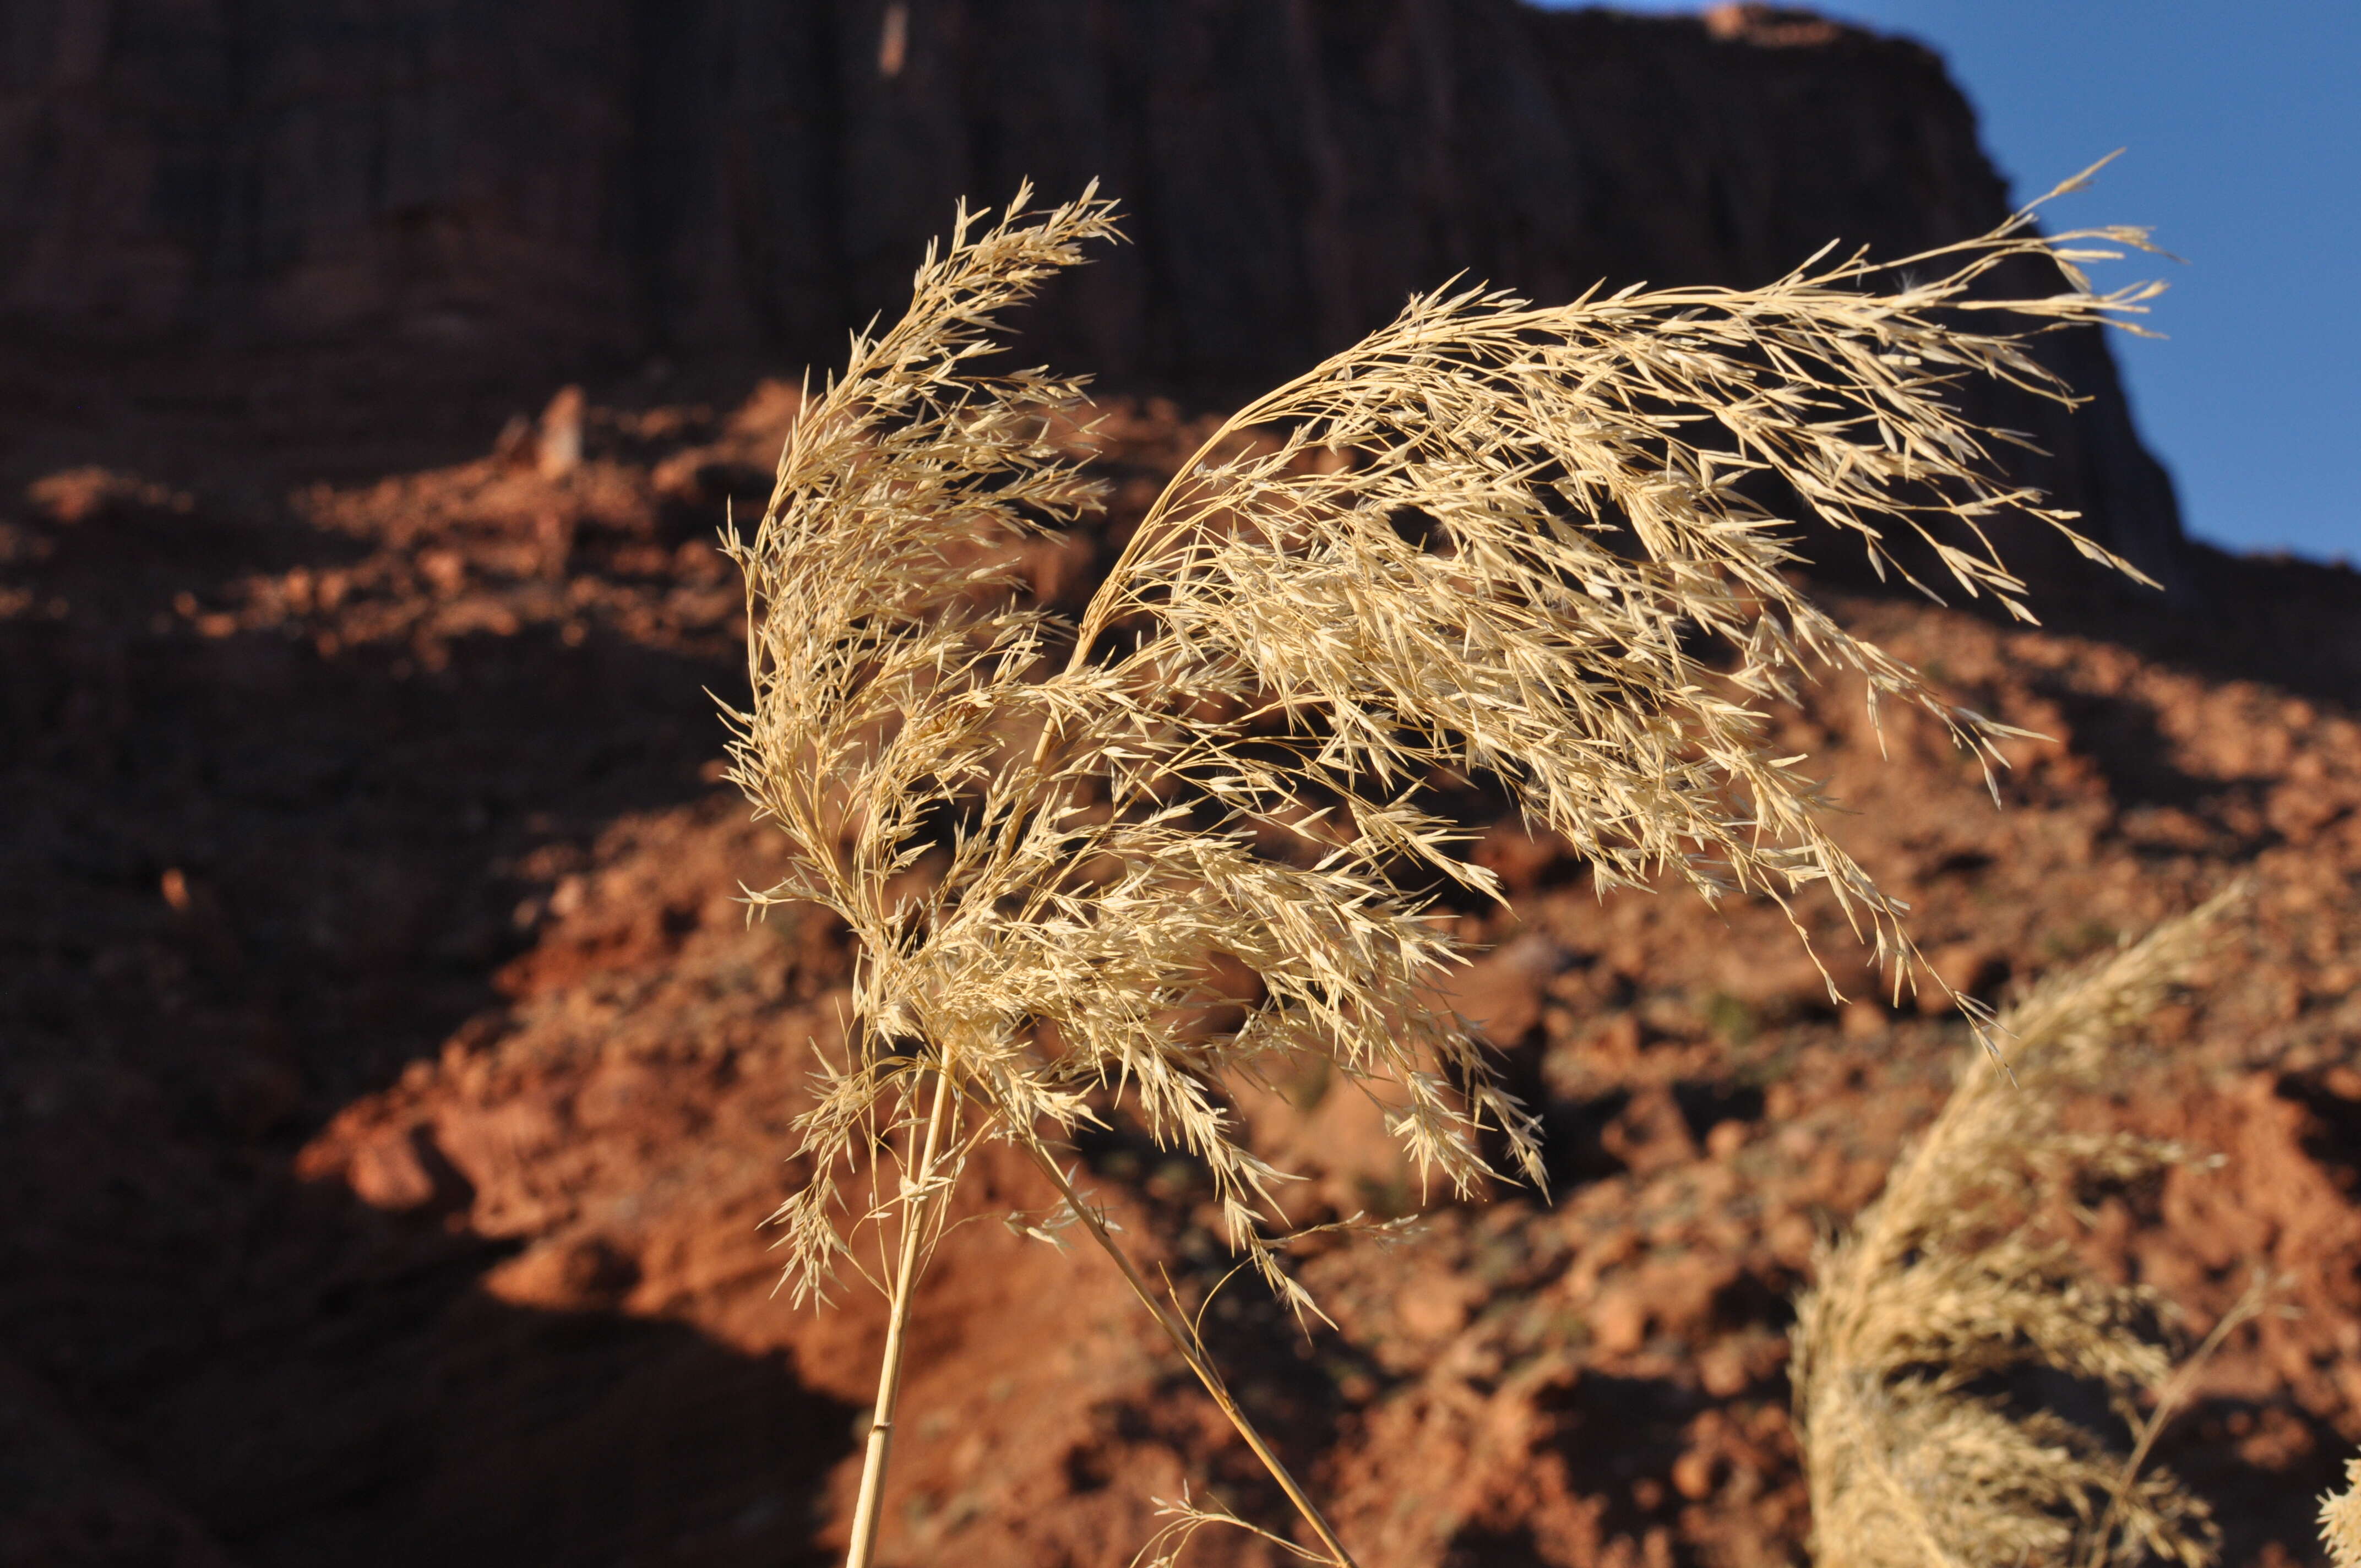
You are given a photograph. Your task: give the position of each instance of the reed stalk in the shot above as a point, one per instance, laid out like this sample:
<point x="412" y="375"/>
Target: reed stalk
<point x="917" y="1213"/>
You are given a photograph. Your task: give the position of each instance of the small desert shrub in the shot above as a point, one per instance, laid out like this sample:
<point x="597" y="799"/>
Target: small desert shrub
<point x="1953" y="1279"/>
<point x="1526" y="543"/>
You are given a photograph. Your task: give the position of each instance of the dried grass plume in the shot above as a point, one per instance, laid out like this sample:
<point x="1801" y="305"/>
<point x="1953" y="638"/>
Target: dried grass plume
<point x="1953" y="1279"/>
<point x="1184" y="841"/>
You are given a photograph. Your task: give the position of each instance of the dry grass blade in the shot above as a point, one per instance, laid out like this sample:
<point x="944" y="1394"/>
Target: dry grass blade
<point x="1949" y="1281"/>
<point x="1490" y="539"/>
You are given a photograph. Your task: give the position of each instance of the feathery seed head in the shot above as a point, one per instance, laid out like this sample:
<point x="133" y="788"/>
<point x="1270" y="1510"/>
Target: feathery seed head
<point x="1490" y="539"/>
<point x="1949" y="1280"/>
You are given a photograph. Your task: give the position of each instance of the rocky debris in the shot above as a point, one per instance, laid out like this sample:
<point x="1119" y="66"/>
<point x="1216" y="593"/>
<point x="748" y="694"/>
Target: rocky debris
<point x="394" y="1086"/>
<point x="557" y="450"/>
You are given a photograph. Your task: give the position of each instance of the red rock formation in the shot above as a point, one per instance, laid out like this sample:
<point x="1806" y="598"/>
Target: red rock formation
<point x="462" y="181"/>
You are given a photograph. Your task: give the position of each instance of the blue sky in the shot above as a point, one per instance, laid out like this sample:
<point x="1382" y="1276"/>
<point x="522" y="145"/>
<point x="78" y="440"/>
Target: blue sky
<point x="2241" y="125"/>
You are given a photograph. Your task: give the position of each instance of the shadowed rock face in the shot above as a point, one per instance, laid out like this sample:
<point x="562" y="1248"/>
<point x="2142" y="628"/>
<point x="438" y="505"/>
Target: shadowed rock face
<point x="474" y="179"/>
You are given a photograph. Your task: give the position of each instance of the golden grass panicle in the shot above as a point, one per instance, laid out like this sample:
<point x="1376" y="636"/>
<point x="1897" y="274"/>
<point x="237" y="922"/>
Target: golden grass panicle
<point x="1952" y="1278"/>
<point x="2340" y="1519"/>
<point x="1183" y="842"/>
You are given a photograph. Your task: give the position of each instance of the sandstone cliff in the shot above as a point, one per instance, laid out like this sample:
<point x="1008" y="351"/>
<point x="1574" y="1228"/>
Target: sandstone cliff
<point x="515" y="180"/>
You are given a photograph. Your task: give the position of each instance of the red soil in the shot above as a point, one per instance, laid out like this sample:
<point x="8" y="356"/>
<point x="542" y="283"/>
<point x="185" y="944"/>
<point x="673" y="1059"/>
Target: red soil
<point x="395" y="1090"/>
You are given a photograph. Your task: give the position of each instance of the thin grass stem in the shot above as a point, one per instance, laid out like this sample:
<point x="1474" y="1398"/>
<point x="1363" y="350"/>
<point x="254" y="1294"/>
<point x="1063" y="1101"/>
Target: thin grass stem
<point x="889" y="1374"/>
<point x="1193" y="1350"/>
